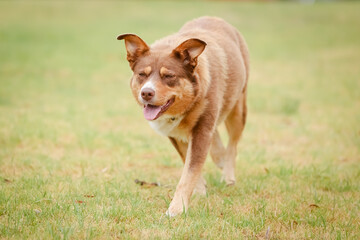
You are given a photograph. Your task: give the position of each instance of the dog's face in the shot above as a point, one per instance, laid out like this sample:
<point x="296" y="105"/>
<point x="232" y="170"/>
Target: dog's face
<point x="164" y="80"/>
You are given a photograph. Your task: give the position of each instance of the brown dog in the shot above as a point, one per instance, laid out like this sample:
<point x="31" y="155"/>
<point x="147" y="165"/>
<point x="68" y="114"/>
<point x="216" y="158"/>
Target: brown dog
<point x="187" y="84"/>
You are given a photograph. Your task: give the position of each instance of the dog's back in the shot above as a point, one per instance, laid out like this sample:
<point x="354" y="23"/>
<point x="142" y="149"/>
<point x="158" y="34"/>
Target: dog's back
<point x="224" y="34"/>
<point x="223" y="66"/>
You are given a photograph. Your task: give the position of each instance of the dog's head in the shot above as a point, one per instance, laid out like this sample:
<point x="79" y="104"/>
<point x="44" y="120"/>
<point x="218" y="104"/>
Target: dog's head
<point x="164" y="79"/>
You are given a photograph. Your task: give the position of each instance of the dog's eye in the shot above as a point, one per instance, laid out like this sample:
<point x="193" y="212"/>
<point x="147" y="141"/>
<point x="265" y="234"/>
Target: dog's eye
<point x="142" y="74"/>
<point x="169" y="76"/>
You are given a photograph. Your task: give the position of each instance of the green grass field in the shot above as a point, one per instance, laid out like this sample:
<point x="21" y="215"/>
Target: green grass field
<point x="73" y="140"/>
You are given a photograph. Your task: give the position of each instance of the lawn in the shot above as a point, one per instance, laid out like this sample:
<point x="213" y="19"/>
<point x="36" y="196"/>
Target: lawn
<point x="73" y="140"/>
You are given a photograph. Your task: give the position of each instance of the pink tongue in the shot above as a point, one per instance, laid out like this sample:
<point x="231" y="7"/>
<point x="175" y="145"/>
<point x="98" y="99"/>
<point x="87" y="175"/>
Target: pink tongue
<point x="150" y="112"/>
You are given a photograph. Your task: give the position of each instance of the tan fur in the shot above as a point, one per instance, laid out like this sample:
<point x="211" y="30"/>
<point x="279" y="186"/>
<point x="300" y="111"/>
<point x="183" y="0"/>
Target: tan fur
<point x="204" y="68"/>
<point x="147" y="70"/>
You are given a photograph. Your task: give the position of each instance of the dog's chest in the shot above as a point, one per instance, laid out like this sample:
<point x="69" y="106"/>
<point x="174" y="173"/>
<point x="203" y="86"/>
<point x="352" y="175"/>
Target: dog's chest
<point x="168" y="126"/>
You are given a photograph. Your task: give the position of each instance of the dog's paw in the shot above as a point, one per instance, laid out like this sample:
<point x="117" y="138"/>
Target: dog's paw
<point x="200" y="190"/>
<point x="220" y="164"/>
<point x="175" y="210"/>
<point x="228" y="181"/>
<point x="228" y="176"/>
<point x="177" y="206"/>
<point x="200" y="187"/>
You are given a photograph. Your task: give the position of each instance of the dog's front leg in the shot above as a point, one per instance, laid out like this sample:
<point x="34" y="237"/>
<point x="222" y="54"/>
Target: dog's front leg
<point x="199" y="144"/>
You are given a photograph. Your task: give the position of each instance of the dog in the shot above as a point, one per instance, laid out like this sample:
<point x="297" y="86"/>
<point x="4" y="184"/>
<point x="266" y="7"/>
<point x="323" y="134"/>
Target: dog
<point x="187" y="84"/>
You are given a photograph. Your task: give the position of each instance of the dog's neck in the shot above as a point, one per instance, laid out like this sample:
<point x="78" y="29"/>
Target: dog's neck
<point x="167" y="126"/>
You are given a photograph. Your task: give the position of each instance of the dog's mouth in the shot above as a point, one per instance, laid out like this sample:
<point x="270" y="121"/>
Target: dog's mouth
<point x="152" y="112"/>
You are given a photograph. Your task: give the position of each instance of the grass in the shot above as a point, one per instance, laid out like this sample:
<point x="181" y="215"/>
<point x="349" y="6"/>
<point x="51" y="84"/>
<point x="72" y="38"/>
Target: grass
<point x="72" y="140"/>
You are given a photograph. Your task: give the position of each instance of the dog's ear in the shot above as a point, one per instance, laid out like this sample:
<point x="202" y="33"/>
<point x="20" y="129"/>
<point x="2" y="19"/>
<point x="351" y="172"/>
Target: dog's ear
<point x="135" y="47"/>
<point x="189" y="50"/>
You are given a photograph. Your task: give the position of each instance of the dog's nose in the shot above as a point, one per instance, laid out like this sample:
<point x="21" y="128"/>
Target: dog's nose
<point x="147" y="94"/>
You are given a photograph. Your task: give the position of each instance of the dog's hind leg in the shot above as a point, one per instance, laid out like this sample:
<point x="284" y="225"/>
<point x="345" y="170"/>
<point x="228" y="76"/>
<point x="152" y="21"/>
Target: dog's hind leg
<point x="235" y="123"/>
<point x="181" y="147"/>
<point x="217" y="150"/>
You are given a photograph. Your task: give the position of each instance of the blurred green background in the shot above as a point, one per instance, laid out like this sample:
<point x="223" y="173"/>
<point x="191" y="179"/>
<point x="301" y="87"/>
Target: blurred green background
<point x="72" y="138"/>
